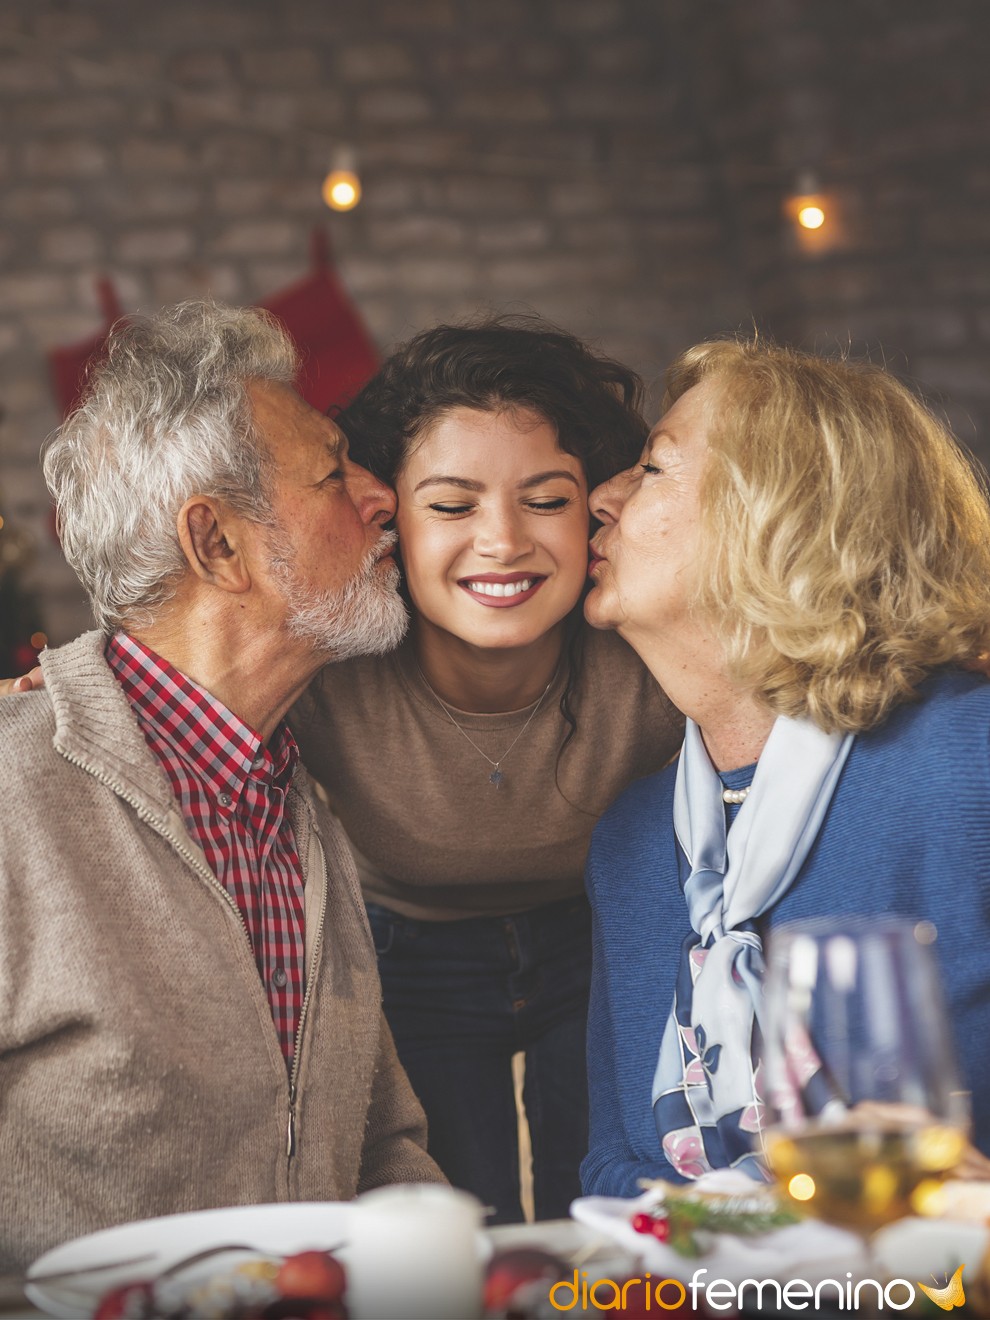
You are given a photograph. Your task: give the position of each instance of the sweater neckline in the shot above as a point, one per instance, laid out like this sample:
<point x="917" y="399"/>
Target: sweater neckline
<point x="407" y="669"/>
<point x="739" y="778"/>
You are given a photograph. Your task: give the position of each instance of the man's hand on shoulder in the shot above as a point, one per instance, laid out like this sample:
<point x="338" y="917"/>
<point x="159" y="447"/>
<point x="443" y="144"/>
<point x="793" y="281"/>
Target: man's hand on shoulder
<point x="30" y="682"/>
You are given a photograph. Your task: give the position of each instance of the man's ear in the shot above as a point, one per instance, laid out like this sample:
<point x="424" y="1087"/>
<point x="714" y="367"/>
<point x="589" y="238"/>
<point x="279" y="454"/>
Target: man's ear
<point x="211" y="536"/>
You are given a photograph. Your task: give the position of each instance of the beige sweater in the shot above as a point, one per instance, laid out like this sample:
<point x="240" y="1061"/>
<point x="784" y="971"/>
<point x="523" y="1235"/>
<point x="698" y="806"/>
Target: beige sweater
<point x="140" y="1071"/>
<point x="432" y="838"/>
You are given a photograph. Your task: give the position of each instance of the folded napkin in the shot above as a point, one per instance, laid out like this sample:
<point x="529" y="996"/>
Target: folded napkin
<point x="809" y="1250"/>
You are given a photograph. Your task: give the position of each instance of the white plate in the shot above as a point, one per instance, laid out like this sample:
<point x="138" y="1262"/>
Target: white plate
<point x="968" y="1202"/>
<point x="277" y="1229"/>
<point x="929" y="1250"/>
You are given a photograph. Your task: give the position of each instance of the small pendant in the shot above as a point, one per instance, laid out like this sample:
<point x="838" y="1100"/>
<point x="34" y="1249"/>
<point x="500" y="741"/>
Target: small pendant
<point x="496" y="777"/>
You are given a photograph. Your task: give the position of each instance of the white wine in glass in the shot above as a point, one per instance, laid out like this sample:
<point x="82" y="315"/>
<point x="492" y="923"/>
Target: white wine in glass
<point x="865" y="1111"/>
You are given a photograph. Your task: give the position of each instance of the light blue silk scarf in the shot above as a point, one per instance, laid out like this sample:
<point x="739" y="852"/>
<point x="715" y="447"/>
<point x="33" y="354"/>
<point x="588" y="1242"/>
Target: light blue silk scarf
<point x="706" y="1101"/>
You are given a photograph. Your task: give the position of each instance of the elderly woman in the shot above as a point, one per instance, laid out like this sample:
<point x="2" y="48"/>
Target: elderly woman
<point x="802" y="559"/>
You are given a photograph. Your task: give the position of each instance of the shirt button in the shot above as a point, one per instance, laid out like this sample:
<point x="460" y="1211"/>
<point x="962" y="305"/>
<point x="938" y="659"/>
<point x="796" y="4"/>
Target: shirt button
<point x="224" y="799"/>
<point x="279" y="978"/>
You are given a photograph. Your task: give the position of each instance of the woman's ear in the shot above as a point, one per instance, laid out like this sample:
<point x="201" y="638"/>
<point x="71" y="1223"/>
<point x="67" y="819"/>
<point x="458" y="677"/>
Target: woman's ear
<point x="210" y="536"/>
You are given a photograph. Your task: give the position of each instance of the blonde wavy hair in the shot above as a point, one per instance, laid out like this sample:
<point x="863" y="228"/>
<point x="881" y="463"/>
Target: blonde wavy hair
<point x="847" y="536"/>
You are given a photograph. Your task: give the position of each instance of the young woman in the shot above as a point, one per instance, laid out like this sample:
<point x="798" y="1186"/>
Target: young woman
<point x="469" y="766"/>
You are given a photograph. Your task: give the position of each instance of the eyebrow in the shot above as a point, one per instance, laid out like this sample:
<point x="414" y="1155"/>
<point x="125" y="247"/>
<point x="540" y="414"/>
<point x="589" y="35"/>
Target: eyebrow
<point x="333" y="450"/>
<point x="661" y="433"/>
<point x="541" y="477"/>
<point x="461" y="482"/>
<point x="464" y="483"/>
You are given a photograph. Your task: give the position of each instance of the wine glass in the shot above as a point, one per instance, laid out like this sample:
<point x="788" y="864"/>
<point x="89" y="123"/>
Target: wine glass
<point x="865" y="1111"/>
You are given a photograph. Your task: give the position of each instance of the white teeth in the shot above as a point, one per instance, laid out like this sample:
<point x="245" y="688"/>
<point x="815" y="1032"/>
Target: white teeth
<point x="500" y="588"/>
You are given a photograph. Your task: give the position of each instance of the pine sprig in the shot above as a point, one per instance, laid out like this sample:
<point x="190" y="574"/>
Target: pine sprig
<point x="691" y="1216"/>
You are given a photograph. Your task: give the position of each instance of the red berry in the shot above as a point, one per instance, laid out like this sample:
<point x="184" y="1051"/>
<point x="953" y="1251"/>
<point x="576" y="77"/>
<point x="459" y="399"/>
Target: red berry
<point x="509" y="1270"/>
<point x="642" y="1223"/>
<point x="661" y="1229"/>
<point x="313" y="1274"/>
<point x="319" y="1311"/>
<point x="132" y="1301"/>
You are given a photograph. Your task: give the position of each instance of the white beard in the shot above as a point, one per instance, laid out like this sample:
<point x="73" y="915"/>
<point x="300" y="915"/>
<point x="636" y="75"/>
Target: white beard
<point x="365" y="617"/>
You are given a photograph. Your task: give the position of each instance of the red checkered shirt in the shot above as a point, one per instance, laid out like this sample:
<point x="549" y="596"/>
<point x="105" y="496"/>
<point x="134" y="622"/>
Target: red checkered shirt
<point x="231" y="790"/>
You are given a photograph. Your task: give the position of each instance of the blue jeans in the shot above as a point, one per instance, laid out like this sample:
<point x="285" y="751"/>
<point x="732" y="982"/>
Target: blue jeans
<point x="461" y="998"/>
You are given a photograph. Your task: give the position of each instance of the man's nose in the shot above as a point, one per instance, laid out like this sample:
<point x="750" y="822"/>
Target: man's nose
<point x="374" y="498"/>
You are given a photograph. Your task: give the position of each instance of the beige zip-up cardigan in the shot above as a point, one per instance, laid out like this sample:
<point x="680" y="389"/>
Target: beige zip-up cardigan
<point x="140" y="1072"/>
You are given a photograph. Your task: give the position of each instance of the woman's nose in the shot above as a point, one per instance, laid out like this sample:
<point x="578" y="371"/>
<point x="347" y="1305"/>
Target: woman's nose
<point x="606" y="500"/>
<point x="502" y="536"/>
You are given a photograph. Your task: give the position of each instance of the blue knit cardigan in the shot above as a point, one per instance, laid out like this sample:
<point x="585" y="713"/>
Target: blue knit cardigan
<point x="907" y="833"/>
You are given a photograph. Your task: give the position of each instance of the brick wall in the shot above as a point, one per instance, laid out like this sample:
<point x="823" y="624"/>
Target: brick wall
<point x="617" y="165"/>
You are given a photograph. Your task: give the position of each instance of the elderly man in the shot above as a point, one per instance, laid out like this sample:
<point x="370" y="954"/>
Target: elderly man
<point x="189" y="1005"/>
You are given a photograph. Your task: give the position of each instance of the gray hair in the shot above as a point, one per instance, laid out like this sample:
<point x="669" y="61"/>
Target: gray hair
<point x="166" y="416"/>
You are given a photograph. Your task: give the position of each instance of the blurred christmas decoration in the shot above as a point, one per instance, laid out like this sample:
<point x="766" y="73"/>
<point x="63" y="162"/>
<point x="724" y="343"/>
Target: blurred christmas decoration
<point x="70" y="363"/>
<point x="21" y="637"/>
<point x="338" y="356"/>
<point x="336" y="352"/>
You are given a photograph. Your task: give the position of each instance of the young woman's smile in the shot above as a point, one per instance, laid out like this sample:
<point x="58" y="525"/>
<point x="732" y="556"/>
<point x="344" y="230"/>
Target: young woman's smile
<point x="502" y="590"/>
<point x="493" y="527"/>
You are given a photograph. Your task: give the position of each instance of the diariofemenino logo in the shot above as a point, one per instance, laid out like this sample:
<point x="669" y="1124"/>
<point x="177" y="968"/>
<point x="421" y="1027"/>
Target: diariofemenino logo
<point x="869" y="1296"/>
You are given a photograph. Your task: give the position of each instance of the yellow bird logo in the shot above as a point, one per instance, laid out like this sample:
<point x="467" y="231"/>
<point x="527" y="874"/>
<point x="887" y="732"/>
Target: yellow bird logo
<point x="951" y="1295"/>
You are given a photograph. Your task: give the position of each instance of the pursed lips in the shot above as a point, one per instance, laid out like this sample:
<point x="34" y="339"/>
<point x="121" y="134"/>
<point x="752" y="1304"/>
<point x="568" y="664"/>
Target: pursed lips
<point x="384" y="547"/>
<point x="502" y="589"/>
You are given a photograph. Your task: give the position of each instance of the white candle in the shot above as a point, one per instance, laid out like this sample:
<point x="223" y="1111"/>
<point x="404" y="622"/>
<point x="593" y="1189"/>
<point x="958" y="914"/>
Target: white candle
<point x="414" y="1253"/>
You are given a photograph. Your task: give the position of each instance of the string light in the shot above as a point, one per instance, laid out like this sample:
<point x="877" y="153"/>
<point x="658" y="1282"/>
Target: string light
<point x="342" y="186"/>
<point x="814" y="215"/>
<point x="806" y="206"/>
<point x="802" y="1187"/>
<point x="811" y="217"/>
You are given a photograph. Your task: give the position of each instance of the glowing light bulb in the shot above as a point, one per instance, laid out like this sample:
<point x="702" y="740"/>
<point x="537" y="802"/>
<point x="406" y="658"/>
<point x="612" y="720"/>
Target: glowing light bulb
<point x="342" y="190"/>
<point x="802" y="1187"/>
<point x="815" y="214"/>
<point x="928" y="1198"/>
<point x="811" y="217"/>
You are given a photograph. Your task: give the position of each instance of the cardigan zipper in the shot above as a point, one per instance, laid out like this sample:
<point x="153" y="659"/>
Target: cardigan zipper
<point x="290" y="1142"/>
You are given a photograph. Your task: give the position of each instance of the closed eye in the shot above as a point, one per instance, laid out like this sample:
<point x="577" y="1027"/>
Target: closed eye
<point x="451" y="509"/>
<point x="550" y="505"/>
<point x="650" y="469"/>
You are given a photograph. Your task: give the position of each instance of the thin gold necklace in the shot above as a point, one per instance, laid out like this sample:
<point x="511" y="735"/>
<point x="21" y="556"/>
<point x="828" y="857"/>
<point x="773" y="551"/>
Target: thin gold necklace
<point x="497" y="776"/>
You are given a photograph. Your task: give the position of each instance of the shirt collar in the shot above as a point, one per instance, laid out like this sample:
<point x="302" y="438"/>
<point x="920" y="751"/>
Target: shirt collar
<point x="219" y="747"/>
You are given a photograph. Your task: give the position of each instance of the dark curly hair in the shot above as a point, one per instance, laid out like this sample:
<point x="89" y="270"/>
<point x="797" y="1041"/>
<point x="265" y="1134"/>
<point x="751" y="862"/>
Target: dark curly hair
<point x="498" y="363"/>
